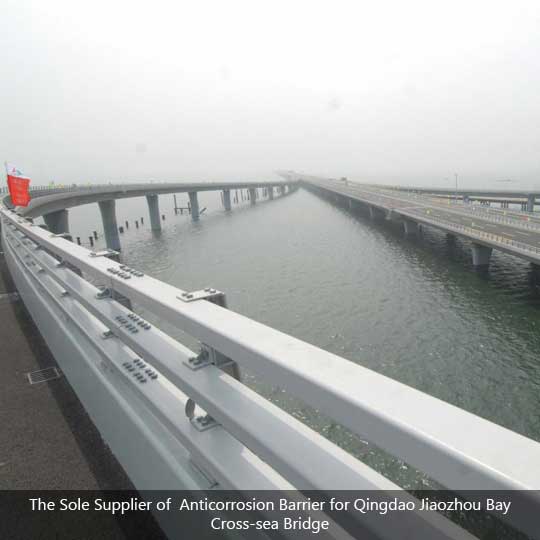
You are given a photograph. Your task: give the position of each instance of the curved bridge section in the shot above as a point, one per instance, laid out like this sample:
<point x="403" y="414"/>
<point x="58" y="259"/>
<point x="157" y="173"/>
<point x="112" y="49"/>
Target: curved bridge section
<point x="53" y="203"/>
<point x="177" y="418"/>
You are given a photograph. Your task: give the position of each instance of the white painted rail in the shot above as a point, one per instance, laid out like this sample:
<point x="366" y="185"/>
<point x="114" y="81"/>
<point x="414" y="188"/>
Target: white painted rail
<point x="256" y="445"/>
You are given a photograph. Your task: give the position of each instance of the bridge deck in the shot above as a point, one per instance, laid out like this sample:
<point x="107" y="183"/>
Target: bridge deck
<point x="513" y="232"/>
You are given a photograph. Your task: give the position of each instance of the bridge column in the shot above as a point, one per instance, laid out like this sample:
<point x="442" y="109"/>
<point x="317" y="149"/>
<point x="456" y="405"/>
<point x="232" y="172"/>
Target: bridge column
<point x="194" y="202"/>
<point x="481" y="255"/>
<point x="252" y="195"/>
<point x="227" y="199"/>
<point x="153" y="210"/>
<point x="270" y="192"/>
<point x="530" y="203"/>
<point x="110" y="227"/>
<point x="57" y="222"/>
<point x="411" y="227"/>
<point x="375" y="213"/>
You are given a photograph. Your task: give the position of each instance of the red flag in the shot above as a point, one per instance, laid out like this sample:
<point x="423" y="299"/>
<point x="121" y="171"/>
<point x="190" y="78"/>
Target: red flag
<point x="18" y="186"/>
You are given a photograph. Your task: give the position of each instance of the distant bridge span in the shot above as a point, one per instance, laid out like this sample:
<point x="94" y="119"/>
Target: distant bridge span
<point x="52" y="203"/>
<point x="516" y="233"/>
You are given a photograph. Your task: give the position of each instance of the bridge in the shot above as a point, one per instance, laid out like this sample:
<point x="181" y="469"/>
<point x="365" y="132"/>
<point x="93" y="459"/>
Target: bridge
<point x="525" y="198"/>
<point x="177" y="418"/>
<point x="53" y="202"/>
<point x="513" y="232"/>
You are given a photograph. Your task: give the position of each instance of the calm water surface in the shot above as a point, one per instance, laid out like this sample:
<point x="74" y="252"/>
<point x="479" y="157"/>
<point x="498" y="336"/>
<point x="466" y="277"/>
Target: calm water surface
<point x="412" y="309"/>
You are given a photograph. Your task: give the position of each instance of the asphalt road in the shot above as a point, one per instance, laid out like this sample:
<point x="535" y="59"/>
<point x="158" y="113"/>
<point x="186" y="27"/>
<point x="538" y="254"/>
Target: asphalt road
<point x="425" y="207"/>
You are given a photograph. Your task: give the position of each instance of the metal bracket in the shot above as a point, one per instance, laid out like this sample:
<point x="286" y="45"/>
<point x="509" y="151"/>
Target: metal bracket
<point x="107" y="335"/>
<point x="103" y="294"/>
<point x="202" y="294"/>
<point x="200" y="423"/>
<point x="203" y="359"/>
<point x="104" y="253"/>
<point x="61" y="235"/>
<point x="203" y="423"/>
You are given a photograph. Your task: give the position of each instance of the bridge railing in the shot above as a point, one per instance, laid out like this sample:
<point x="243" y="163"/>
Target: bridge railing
<point x="458" y="449"/>
<point x="473" y="233"/>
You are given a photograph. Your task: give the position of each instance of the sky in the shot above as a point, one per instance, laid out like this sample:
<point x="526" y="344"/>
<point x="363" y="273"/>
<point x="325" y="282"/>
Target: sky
<point x="407" y="92"/>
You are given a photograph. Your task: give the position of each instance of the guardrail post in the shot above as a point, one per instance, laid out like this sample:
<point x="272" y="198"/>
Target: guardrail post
<point x="209" y="355"/>
<point x="110" y="227"/>
<point x="153" y="210"/>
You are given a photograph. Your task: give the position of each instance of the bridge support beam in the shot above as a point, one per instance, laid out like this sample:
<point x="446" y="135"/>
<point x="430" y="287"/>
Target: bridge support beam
<point x="270" y="192"/>
<point x="153" y="210"/>
<point x="411" y="227"/>
<point x="481" y="255"/>
<point x="252" y="195"/>
<point x="57" y="222"/>
<point x="227" y="199"/>
<point x="530" y="203"/>
<point x="194" y="203"/>
<point x="110" y="227"/>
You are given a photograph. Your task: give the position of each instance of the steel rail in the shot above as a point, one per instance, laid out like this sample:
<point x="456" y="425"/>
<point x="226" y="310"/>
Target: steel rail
<point x="285" y="443"/>
<point x="248" y="420"/>
<point x="218" y="452"/>
<point x="458" y="449"/>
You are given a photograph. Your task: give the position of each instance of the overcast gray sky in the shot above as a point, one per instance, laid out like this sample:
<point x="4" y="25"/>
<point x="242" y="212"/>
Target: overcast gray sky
<point x="399" y="90"/>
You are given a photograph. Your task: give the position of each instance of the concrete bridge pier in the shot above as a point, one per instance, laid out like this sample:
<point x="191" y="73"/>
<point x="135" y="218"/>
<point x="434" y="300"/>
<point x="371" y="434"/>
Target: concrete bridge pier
<point x="411" y="227"/>
<point x="194" y="203"/>
<point x="153" y="210"/>
<point x="481" y="255"/>
<point x="270" y="192"/>
<point x="530" y="203"/>
<point x="227" y="199"/>
<point x="110" y="227"/>
<point x="252" y="195"/>
<point x="375" y="213"/>
<point x="57" y="222"/>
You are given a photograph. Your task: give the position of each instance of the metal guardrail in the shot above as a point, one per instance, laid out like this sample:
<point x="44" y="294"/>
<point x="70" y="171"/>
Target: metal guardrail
<point x="458" y="449"/>
<point x="58" y="188"/>
<point x="473" y="233"/>
<point x="522" y="222"/>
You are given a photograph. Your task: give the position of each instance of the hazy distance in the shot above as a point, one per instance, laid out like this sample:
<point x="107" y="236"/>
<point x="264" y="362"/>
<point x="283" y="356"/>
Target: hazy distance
<point x="387" y="91"/>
